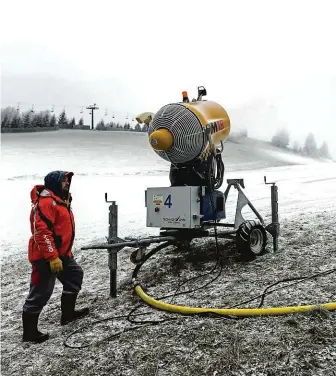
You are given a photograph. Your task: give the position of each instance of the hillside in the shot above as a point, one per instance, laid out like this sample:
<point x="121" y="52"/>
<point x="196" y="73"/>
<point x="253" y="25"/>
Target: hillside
<point x="123" y="166"/>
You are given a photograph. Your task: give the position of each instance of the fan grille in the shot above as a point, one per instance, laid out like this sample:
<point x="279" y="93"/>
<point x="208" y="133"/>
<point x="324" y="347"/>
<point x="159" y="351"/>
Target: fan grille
<point x="186" y="129"/>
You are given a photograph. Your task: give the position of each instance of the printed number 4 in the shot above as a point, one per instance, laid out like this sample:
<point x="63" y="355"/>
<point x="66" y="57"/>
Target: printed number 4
<point x="168" y="201"/>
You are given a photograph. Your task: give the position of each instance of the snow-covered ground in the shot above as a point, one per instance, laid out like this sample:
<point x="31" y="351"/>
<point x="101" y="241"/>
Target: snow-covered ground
<point x="123" y="165"/>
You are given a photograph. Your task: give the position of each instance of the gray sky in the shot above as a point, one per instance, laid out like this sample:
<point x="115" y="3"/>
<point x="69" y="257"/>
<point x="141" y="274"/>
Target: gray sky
<point x="269" y="63"/>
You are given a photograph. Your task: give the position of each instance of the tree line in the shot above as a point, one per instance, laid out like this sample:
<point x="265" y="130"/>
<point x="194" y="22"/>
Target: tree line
<point x="12" y="118"/>
<point x="102" y="126"/>
<point x="309" y="148"/>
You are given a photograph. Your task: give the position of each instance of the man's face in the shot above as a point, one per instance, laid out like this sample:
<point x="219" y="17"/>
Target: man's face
<point x="65" y="184"/>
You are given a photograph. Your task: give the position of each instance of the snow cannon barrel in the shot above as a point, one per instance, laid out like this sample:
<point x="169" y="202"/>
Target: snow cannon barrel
<point x="180" y="132"/>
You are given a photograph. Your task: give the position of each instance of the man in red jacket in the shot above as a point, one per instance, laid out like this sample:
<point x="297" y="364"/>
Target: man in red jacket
<point x="49" y="252"/>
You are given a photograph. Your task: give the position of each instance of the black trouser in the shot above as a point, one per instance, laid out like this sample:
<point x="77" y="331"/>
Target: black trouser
<point x="43" y="281"/>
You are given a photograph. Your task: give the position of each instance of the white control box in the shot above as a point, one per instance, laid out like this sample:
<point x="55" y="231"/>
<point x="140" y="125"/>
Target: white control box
<point x="173" y="207"/>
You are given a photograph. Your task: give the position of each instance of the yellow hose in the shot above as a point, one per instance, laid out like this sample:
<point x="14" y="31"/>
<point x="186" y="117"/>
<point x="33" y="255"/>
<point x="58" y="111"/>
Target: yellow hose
<point x="243" y="312"/>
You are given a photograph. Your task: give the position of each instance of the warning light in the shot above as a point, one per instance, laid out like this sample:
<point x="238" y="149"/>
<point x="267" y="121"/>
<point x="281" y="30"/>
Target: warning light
<point x="185" y="96"/>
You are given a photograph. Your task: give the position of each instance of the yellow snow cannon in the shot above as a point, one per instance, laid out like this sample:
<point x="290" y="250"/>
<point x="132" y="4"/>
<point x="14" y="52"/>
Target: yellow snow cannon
<point x="190" y="135"/>
<point x="185" y="131"/>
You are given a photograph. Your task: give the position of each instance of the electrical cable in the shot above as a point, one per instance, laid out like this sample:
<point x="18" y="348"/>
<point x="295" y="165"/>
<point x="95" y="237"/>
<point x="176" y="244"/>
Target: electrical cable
<point x="218" y="182"/>
<point x="104" y="339"/>
<point x="132" y="312"/>
<point x="228" y="311"/>
<point x="135" y="271"/>
<point x="208" y="313"/>
<point x="298" y="279"/>
<point x="215" y="180"/>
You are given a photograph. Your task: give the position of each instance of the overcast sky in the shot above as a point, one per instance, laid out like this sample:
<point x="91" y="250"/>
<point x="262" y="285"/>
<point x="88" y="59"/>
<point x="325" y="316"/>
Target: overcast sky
<point x="269" y="63"/>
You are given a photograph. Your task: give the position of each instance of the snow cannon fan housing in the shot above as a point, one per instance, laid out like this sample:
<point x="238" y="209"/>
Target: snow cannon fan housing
<point x="182" y="133"/>
<point x="179" y="132"/>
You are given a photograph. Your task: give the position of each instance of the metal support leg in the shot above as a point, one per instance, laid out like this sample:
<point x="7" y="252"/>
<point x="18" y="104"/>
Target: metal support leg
<point x="113" y="264"/>
<point x="274" y="227"/>
<point x="275" y="216"/>
<point x="241" y="201"/>
<point x="113" y="253"/>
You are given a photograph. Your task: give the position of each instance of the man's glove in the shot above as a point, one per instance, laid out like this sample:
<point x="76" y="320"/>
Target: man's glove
<point x="56" y="265"/>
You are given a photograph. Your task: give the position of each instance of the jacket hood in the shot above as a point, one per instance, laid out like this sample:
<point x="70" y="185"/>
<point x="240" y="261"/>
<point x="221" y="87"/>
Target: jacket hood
<point x="53" y="181"/>
<point x="40" y="191"/>
<point x="52" y="186"/>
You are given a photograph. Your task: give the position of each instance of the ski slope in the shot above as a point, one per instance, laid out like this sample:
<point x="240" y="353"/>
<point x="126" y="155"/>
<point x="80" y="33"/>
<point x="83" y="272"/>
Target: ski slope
<point x="123" y="165"/>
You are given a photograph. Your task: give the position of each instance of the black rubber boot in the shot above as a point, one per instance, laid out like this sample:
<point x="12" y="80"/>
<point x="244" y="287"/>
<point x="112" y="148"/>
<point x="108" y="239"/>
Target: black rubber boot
<point x="30" y="331"/>
<point x="68" y="302"/>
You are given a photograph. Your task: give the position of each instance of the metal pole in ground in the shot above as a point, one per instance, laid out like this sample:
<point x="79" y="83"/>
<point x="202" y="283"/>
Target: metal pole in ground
<point x="275" y="216"/>
<point x="275" y="225"/>
<point x="113" y="253"/>
<point x="92" y="108"/>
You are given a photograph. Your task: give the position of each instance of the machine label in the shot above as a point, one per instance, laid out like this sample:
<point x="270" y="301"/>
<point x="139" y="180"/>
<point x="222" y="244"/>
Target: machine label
<point x="157" y="199"/>
<point x="215" y="126"/>
<point x="220" y="125"/>
<point x="173" y="220"/>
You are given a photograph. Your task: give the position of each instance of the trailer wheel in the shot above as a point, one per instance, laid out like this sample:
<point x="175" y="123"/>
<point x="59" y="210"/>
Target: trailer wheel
<point x="251" y="239"/>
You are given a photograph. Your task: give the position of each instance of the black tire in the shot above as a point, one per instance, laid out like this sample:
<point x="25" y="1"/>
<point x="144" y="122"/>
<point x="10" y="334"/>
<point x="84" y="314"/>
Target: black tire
<point x="251" y="239"/>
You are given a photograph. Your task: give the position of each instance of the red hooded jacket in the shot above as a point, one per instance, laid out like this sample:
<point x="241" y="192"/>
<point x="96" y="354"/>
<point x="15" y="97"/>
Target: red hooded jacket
<point x="52" y="225"/>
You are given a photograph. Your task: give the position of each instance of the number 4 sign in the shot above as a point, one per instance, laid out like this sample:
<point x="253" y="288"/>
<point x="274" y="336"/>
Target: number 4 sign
<point x="168" y="201"/>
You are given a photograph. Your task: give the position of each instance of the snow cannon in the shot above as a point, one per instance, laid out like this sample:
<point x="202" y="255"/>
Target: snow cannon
<point x="191" y="135"/>
<point x="186" y="131"/>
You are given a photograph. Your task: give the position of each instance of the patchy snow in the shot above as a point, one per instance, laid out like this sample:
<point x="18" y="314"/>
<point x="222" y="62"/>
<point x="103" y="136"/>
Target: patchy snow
<point x="123" y="165"/>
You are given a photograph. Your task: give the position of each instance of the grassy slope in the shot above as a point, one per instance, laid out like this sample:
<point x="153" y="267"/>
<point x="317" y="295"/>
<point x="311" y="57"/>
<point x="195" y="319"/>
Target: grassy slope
<point x="302" y="344"/>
